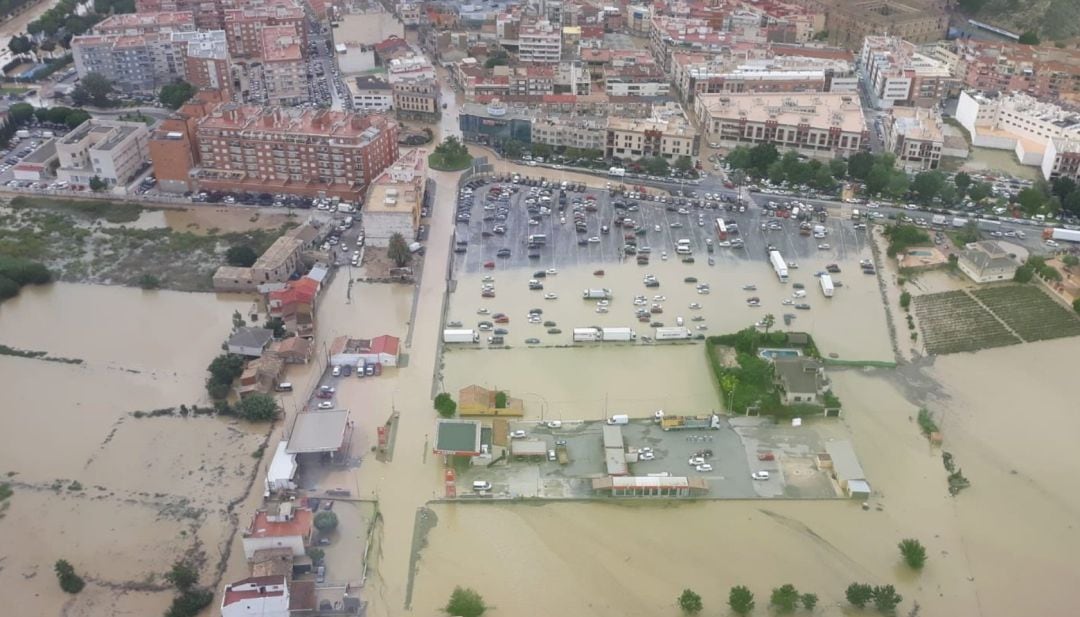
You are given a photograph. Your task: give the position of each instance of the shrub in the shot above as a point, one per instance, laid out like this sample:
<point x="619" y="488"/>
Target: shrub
<point x="926" y="422"/>
<point x="741" y="600"/>
<point x="690" y="602"/>
<point x="500" y="400"/>
<point x="69" y="581"/>
<point x="258" y="407"/>
<point x="809" y="601"/>
<point x="445" y="405"/>
<point x="183" y="575"/>
<point x="465" y="602"/>
<point x="905" y="300"/>
<point x="190" y="603"/>
<point x="886" y="599"/>
<point x="326" y="521"/>
<point x="913" y="552"/>
<point x="784" y="598"/>
<point x="859" y="594"/>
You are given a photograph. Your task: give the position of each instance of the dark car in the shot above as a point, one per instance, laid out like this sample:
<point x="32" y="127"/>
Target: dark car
<point x="503" y="253"/>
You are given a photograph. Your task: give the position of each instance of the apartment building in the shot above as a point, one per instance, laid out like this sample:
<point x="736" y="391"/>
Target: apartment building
<point x="1062" y="159"/>
<point x="273" y="149"/>
<point x="570" y="131"/>
<point x="669" y="35"/>
<point x="109" y="150"/>
<point x="133" y="63"/>
<point x="914" y="135"/>
<point x="693" y="75"/>
<point x="284" y="70"/>
<point x="540" y="42"/>
<point x="823" y="124"/>
<point x="208" y="14"/>
<point x="146" y="23"/>
<point x="417" y="98"/>
<point x="244" y="26"/>
<point x="633" y="138"/>
<point x="647" y="80"/>
<point x="1043" y="72"/>
<point x="370" y="93"/>
<point x="848" y="22"/>
<point x="1017" y="122"/>
<point x="395" y="199"/>
<point x="895" y="73"/>
<point x="409" y="67"/>
<point x="206" y="59"/>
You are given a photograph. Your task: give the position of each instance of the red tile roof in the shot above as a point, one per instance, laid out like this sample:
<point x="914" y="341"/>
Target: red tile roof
<point x="385" y="344"/>
<point x="299" y="525"/>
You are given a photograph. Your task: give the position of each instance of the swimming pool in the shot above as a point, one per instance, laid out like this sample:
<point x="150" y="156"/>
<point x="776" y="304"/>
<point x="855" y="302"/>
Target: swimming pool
<point x="918" y="253"/>
<point x="770" y="353"/>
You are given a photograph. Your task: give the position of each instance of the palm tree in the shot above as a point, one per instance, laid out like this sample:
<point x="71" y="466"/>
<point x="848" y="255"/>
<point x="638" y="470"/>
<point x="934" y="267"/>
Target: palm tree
<point x="768" y="322"/>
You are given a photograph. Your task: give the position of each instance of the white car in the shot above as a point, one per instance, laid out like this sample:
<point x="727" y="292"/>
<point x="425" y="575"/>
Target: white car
<point x="594" y="240"/>
<point x="696" y="460"/>
<point x="551" y="295"/>
<point x="601" y="309"/>
<point x="695" y="306"/>
<point x="646" y="456"/>
<point x="551" y="271"/>
<point x="1051" y="243"/>
<point x="824" y="247"/>
<point x="326" y="405"/>
<point x="704" y="467"/>
<point x="336" y="372"/>
<point x="760" y="475"/>
<point x="518" y="434"/>
<point x="554" y="424"/>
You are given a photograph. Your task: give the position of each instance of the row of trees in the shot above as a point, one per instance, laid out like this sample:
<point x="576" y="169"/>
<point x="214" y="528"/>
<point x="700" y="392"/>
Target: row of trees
<point x="67" y="116"/>
<point x="16" y="273"/>
<point x="94" y="89"/>
<point x="765" y="161"/>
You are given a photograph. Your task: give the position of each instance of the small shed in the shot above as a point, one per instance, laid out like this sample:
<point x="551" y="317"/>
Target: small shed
<point x="846" y="469"/>
<point x="282" y="469"/>
<point x="457" y="437"/>
<point x="320" y="432"/>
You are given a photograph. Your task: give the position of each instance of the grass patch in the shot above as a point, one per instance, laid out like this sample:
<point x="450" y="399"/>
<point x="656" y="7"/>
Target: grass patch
<point x="1030" y="312"/>
<point x="454" y="163"/>
<point x="111" y="211"/>
<point x="953" y="322"/>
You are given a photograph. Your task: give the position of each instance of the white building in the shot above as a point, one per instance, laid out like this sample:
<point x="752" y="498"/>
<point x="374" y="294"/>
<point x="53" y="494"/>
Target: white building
<point x="354" y="58"/>
<point x="1062" y="159"/>
<point x="540" y="42"/>
<point x="289" y="527"/>
<point x="668" y="137"/>
<point x="384" y="349"/>
<point x="370" y="93"/>
<point x="987" y="262"/>
<point x="914" y="135"/>
<point x="257" y="596"/>
<point x="395" y="198"/>
<point x="1017" y="122"/>
<point x="410" y="68"/>
<point x="896" y="74"/>
<point x="108" y="149"/>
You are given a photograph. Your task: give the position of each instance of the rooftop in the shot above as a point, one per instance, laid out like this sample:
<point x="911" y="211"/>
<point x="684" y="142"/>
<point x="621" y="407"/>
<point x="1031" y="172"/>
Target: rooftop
<point x="281" y="44"/>
<point x="799" y="374"/>
<point x="845" y="463"/>
<point x="251" y="337"/>
<point x="133" y="23"/>
<point x="256" y="121"/>
<point x="205" y="44"/>
<point x="278" y="252"/>
<point x="318" y="431"/>
<point x="818" y="109"/>
<point x="917" y="123"/>
<point x="252" y="588"/>
<point x="457" y="437"/>
<point x="265" y="525"/>
<point x="400" y="188"/>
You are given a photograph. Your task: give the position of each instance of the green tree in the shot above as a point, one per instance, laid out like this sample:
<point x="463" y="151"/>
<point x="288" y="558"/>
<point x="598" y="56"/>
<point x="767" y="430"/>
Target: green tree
<point x="767" y="322"/>
<point x="241" y="255"/>
<point x="465" y="602"/>
<point x="948" y="194"/>
<point x="93" y="89"/>
<point x="741" y="600"/>
<point x="513" y="148"/>
<point x="445" y="405"/>
<point x="763" y="155"/>
<point x="905" y="300"/>
<point x="238" y="320"/>
<point x="656" y="166"/>
<point x="500" y="400"/>
<point x="784" y="598"/>
<point x="684" y="163"/>
<point x="877" y="179"/>
<point x="1070" y="261"/>
<point x="183" y="575"/>
<point x="258" y="407"/>
<point x="76" y="117"/>
<point x="1031" y="200"/>
<point x="728" y="383"/>
<point x="1071" y="203"/>
<point x="838" y="167"/>
<point x="226" y="367"/>
<point x="927" y="185"/>
<point x="541" y="150"/>
<point x="886" y="599"/>
<point x="20" y="113"/>
<point x="859" y="594"/>
<point x="69" y="581"/>
<point x="497" y="58"/>
<point x="316" y="554"/>
<point x="1029" y="38"/>
<point x="739" y="158"/>
<point x="860" y="164"/>
<point x="979" y="191"/>
<point x="690" y="602"/>
<point x="823" y="179"/>
<point x="1061" y="187"/>
<point x="190" y="603"/>
<point x="809" y="601"/>
<point x="176" y="94"/>
<point x="969" y="233"/>
<point x="898" y="185"/>
<point x="97" y="184"/>
<point x="962" y="181"/>
<point x="277" y="325"/>
<point x="20" y="45"/>
<point x="398" y="251"/>
<point x="1076" y="305"/>
<point x="326" y="521"/>
<point x="913" y="552"/>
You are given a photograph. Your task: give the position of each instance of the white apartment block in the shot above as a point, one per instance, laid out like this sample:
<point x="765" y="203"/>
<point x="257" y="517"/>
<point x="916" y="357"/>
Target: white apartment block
<point x="410" y="68"/>
<point x="540" y="42"/>
<point x="821" y="124"/>
<point x="110" y="150"/>
<point x="370" y="94"/>
<point x="668" y="137"/>
<point x="1062" y="159"/>
<point x="896" y="74"/>
<point x="914" y="135"/>
<point x="1016" y="122"/>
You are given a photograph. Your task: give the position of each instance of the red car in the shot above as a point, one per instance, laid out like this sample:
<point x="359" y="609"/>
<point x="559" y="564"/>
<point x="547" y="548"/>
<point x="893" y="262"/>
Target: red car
<point x="489" y="264"/>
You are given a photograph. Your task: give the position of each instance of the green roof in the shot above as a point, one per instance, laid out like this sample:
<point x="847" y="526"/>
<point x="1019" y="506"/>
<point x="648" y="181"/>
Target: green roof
<point x="457" y="437"/>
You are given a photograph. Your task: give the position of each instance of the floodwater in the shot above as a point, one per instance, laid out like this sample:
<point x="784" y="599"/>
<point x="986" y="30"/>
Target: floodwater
<point x="201" y="220"/>
<point x="144" y="480"/>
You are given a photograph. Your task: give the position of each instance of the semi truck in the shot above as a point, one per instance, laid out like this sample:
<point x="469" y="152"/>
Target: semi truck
<point x="585" y="335"/>
<point x="676" y="423"/>
<point x="672" y="334"/>
<point x="617" y="171"/>
<point x="619" y="418"/>
<point x="959" y="222"/>
<point x="939" y="219"/>
<point x="779" y="265"/>
<point x="1068" y="235"/>
<point x="617" y="334"/>
<point x="596" y="294"/>
<point x="827" y="285"/>
<point x="460" y="336"/>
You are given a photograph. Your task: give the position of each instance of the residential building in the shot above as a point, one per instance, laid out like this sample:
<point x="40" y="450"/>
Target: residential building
<point x="694" y="74"/>
<point x="127" y="24"/>
<point x="1046" y="72"/>
<point x="409" y="67"/>
<point x="569" y="131"/>
<point x="276" y="265"/>
<point x="272" y="149"/>
<point x="293" y="350"/>
<point x="669" y="35"/>
<point x="1062" y="159"/>
<point x="476" y="400"/>
<point x="250" y="342"/>
<point x="669" y="137"/>
<point x="646" y="80"/>
<point x="895" y="73"/>
<point x="824" y="125"/>
<point x="206" y="60"/>
<point x="395" y="199"/>
<point x="801" y="380"/>
<point x="133" y="63"/>
<point x="914" y="135"/>
<point x="383" y="349"/>
<point x="262" y="596"/>
<point x="110" y="150"/>
<point x="260" y="375"/>
<point x="244" y="26"/>
<point x="37" y="165"/>
<point x="848" y="22"/>
<point x="1016" y="122"/>
<point x="370" y="93"/>
<point x="288" y="527"/>
<point x="540" y="42"/>
<point x="207" y="13"/>
<point x="295" y="306"/>
<point x="284" y="70"/>
<point x="987" y="262"/>
<point x="417" y="98"/>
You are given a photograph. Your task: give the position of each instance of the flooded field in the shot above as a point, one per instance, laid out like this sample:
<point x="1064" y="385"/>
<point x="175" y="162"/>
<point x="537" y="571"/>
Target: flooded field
<point x="151" y="488"/>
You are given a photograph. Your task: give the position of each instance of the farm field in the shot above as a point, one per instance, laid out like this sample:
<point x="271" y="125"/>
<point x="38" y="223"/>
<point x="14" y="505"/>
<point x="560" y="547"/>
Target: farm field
<point x="954" y="322"/>
<point x="1030" y="312"/>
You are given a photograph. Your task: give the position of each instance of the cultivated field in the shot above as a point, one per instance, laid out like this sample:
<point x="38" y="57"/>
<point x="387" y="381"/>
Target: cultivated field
<point x="953" y="321"/>
<point x="1032" y="314"/>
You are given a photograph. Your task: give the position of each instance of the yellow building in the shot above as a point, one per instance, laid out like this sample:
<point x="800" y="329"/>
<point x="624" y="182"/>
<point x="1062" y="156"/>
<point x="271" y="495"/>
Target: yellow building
<point x="479" y="401"/>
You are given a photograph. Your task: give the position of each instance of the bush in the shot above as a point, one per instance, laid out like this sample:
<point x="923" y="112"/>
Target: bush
<point x="241" y="256"/>
<point x="926" y="422"/>
<point x="465" y="603"/>
<point x="326" y="521"/>
<point x="258" y="407"/>
<point x="859" y="594"/>
<point x="905" y="300"/>
<point x="190" y="603"/>
<point x="901" y="237"/>
<point x="784" y="598"/>
<point x="741" y="600"/>
<point x="183" y="575"/>
<point x="69" y="581"/>
<point x="445" y="405"/>
<point x="809" y="601"/>
<point x="316" y="555"/>
<point x="913" y="552"/>
<point x="500" y="400"/>
<point x="149" y="281"/>
<point x="690" y="602"/>
<point x="1076" y="305"/>
<point x="886" y="599"/>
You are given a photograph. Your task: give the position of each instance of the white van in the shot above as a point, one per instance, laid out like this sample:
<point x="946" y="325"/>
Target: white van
<point x="481" y="485"/>
<point x="284" y="387"/>
<point x="683" y="249"/>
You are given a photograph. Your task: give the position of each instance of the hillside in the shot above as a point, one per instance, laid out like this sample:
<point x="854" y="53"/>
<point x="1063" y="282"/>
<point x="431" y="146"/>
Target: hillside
<point x="1052" y="20"/>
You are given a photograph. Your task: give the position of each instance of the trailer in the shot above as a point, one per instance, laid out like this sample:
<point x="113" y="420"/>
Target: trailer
<point x="617" y="334"/>
<point x="939" y="219"/>
<point x="1068" y="235"/>
<point x="586" y="335"/>
<point x="827" y="285"/>
<point x="678" y="423"/>
<point x="461" y="336"/>
<point x="617" y="171"/>
<point x="596" y="294"/>
<point x="672" y="334"/>
<point x="779" y="265"/>
<point x="959" y="222"/>
<point x="619" y="418"/>
<point x="562" y="454"/>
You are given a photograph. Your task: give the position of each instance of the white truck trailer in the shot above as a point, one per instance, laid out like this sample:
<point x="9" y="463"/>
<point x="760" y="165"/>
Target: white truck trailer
<point x="1068" y="235"/>
<point x="596" y="294"/>
<point x="672" y="334"/>
<point x="586" y="335"/>
<point x="778" y="265"/>
<point x="617" y="334"/>
<point x="460" y="336"/>
<point x="827" y="285"/>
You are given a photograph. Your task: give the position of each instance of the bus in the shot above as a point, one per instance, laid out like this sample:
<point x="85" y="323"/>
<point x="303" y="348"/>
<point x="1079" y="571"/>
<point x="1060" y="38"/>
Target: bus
<point x="721" y="229"/>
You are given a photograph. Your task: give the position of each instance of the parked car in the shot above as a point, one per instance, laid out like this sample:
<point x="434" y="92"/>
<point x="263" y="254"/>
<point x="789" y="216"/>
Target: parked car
<point x="760" y="475"/>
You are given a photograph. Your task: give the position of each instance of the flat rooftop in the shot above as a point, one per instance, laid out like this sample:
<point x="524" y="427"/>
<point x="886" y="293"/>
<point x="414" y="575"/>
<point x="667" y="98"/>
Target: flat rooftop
<point x="817" y="109"/>
<point x="457" y="436"/>
<point x="318" y="431"/>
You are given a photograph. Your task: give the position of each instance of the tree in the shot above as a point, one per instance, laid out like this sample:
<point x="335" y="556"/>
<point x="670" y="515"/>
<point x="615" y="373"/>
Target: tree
<point x="97" y="184"/>
<point x="1031" y="200"/>
<point x="1061" y="187"/>
<point x="784" y="598"/>
<point x="877" y="179"/>
<point x="823" y="179"/>
<point x="913" y="552"/>
<point x="1029" y="38"/>
<point x="739" y="158"/>
<point x="898" y="184"/>
<point x="1071" y="203"/>
<point x="513" y="148"/>
<point x="183" y="575"/>
<point x="326" y="521"/>
<point x="445" y="405"/>
<point x="969" y="233"/>
<point x="1076" y="305"/>
<point x="763" y="155"/>
<point x="962" y="181"/>
<point x="859" y="594"/>
<point x="241" y="255"/>
<point x="927" y="185"/>
<point x="656" y="166"/>
<point x="76" y="117"/>
<point x="20" y="45"/>
<point x="277" y="325"/>
<point x="238" y="320"/>
<point x="20" y="113"/>
<point x="226" y="367"/>
<point x="398" y="251"/>
<point x="1070" y="261"/>
<point x="498" y="57"/>
<point x="465" y="602"/>
<point x="948" y="194"/>
<point x="176" y="94"/>
<point x="69" y="581"/>
<point x="258" y="407"/>
<point x="690" y="602"/>
<point x="316" y="555"/>
<point x="540" y="149"/>
<point x="500" y="400"/>
<point x="684" y="163"/>
<point x="809" y="601"/>
<point x="741" y="600"/>
<point x="905" y="300"/>
<point x="768" y="321"/>
<point x="93" y="89"/>
<point x="886" y="599"/>
<point x="860" y="164"/>
<point x="838" y="167"/>
<point x="190" y="603"/>
<point x="980" y="191"/>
